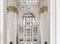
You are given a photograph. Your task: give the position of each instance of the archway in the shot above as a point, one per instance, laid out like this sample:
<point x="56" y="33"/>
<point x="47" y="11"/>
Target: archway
<point x="28" y="32"/>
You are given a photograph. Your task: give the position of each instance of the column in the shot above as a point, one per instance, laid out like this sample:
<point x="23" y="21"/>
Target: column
<point x="11" y="22"/>
<point x="45" y="24"/>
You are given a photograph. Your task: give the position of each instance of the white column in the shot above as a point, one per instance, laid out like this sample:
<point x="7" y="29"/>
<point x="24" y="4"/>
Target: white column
<point x="11" y="27"/>
<point x="12" y="21"/>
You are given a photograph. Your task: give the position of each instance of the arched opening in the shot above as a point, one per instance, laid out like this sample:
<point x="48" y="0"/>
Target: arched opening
<point x="28" y="33"/>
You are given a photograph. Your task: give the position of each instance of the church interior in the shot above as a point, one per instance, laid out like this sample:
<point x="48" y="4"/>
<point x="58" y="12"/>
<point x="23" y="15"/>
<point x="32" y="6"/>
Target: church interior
<point x="26" y="22"/>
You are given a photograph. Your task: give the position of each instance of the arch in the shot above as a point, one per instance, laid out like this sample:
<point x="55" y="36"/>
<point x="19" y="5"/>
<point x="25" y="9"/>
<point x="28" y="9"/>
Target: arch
<point x="28" y="18"/>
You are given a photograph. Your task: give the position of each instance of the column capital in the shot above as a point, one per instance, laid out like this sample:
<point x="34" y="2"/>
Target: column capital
<point x="44" y="9"/>
<point x="12" y="8"/>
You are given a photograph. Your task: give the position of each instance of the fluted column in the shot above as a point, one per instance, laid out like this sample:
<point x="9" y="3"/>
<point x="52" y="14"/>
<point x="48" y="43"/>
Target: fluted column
<point x="12" y="21"/>
<point x="45" y="22"/>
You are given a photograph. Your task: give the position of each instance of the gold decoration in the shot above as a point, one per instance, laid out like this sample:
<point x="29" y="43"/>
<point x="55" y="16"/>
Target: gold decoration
<point x="43" y="9"/>
<point x="12" y="8"/>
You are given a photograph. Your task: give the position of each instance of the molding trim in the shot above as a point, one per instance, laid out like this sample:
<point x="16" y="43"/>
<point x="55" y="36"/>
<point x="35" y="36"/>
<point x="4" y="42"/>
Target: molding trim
<point x="12" y="8"/>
